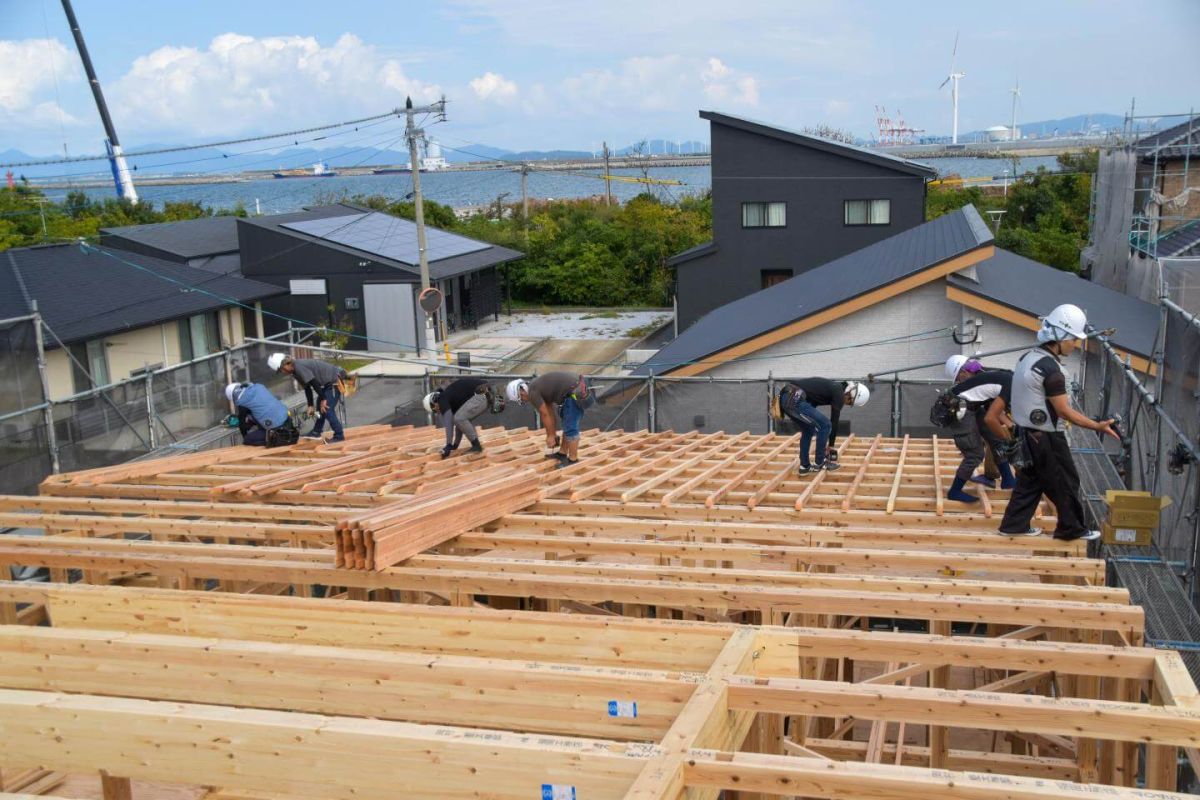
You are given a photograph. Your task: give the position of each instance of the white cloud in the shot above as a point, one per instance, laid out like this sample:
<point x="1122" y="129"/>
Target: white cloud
<point x="493" y="86"/>
<point x="243" y="83"/>
<point x="25" y="71"/>
<point x="671" y="83"/>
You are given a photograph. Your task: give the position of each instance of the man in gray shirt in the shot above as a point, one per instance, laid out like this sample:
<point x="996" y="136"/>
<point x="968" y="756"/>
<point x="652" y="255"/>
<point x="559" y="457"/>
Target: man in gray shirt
<point x="320" y="382"/>
<point x="561" y="390"/>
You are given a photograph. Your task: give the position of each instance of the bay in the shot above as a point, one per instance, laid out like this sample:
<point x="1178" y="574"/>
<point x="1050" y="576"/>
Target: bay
<point x="476" y="188"/>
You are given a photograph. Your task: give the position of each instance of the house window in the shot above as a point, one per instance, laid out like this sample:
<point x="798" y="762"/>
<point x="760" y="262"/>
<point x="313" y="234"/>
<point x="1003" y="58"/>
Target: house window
<point x="764" y="215"/>
<point x="770" y="277"/>
<point x="89" y="365"/>
<point x="198" y="336"/>
<point x="868" y="212"/>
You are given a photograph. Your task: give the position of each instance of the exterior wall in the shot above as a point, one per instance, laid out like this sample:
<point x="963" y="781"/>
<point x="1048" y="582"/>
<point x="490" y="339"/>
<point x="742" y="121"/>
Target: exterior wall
<point x="749" y="167"/>
<point x="58" y="374"/>
<point x="922" y="309"/>
<point x="1173" y="183"/>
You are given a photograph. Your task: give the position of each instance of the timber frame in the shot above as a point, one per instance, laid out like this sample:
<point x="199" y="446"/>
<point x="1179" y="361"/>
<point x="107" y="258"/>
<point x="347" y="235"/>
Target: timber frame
<point x="680" y="615"/>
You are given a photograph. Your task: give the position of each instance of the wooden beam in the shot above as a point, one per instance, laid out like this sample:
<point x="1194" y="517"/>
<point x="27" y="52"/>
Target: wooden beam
<point x="891" y="503"/>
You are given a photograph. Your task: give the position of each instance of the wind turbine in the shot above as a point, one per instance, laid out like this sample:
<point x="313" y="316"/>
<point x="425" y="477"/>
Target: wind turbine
<point x="953" y="78"/>
<point x="1016" y="93"/>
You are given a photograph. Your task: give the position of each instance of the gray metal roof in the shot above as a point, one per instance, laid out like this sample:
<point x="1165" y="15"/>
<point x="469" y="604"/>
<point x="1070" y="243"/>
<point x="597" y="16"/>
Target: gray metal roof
<point x="86" y="295"/>
<point x="895" y="258"/>
<point x="1034" y="288"/>
<point x="1181" y="242"/>
<point x="820" y="143"/>
<point x="1177" y="141"/>
<point x="692" y="253"/>
<point x="186" y="239"/>
<point x="386" y="239"/>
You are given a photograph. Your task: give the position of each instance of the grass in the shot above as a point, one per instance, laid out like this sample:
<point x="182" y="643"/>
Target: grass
<point x="606" y="314"/>
<point x="351" y="364"/>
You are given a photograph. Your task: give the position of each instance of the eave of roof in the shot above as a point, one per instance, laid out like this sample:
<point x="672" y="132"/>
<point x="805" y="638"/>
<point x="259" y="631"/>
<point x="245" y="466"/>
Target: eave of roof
<point x="826" y="145"/>
<point x="692" y="253"/>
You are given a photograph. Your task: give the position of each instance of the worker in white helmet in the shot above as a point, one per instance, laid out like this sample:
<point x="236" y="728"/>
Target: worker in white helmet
<point x="457" y="405"/>
<point x="262" y="419"/>
<point x="1041" y="408"/>
<point x="320" y="380"/>
<point x="566" y="392"/>
<point x="799" y="400"/>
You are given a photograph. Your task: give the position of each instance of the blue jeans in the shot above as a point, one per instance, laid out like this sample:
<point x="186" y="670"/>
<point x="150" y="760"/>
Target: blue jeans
<point x="572" y="415"/>
<point x="811" y="422"/>
<point x="332" y="396"/>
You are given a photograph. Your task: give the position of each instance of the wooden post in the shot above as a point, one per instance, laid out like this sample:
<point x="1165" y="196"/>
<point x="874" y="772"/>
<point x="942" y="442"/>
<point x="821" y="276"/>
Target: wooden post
<point x="939" y="735"/>
<point x="115" y="788"/>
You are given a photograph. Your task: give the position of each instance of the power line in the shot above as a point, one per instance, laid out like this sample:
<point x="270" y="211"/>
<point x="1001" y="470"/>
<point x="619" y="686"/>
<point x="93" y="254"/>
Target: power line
<point x="395" y="112"/>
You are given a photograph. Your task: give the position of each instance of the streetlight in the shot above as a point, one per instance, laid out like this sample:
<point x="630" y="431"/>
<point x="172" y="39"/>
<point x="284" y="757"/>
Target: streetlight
<point x="1006" y="183"/>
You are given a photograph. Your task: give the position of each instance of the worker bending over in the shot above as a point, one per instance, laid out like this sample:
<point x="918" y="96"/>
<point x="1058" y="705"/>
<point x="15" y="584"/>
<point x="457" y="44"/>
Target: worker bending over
<point x="319" y="380"/>
<point x="799" y="399"/>
<point x="1041" y="409"/>
<point x="262" y="419"/>
<point x="977" y="389"/>
<point x="458" y="404"/>
<point x="567" y="392"/>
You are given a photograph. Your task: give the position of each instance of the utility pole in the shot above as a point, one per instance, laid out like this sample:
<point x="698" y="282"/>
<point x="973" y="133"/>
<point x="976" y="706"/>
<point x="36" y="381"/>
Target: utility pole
<point x="116" y="158"/>
<point x="607" y="178"/>
<point x="525" y="198"/>
<point x="41" y="204"/>
<point x="414" y="134"/>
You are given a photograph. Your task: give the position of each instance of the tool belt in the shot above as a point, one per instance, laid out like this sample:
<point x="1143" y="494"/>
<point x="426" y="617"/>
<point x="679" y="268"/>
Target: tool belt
<point x="583" y="394"/>
<point x="947" y="410"/>
<point x="495" y="400"/>
<point x="347" y="384"/>
<point x="785" y="399"/>
<point x="1016" y="450"/>
<point x="285" y="434"/>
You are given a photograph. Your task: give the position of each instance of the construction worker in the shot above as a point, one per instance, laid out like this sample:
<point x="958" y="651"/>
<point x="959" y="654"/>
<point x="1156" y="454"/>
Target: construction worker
<point x="569" y="393"/>
<point x="976" y="389"/>
<point x="261" y="418"/>
<point x="799" y="399"/>
<point x="1040" y="409"/>
<point x="458" y="404"/>
<point x="320" y="382"/>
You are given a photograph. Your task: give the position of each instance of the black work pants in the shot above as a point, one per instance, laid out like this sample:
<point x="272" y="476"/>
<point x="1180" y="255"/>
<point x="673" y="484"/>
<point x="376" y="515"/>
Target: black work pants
<point x="1052" y="473"/>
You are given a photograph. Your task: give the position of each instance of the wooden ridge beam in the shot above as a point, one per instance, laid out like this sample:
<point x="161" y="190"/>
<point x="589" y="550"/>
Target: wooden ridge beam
<point x="306" y="755"/>
<point x="1100" y="719"/>
<point x="834" y="780"/>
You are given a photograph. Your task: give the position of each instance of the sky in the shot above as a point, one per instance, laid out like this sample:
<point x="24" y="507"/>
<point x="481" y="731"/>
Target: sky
<point x="543" y="74"/>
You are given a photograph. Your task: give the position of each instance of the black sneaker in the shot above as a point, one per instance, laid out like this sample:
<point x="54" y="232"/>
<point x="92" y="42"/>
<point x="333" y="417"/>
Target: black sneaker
<point x="830" y="466"/>
<point x="1086" y="536"/>
<point x="559" y="456"/>
<point x="1026" y="532"/>
<point x="565" y="462"/>
<point x="804" y="469"/>
<point x="313" y="435"/>
<point x="476" y="447"/>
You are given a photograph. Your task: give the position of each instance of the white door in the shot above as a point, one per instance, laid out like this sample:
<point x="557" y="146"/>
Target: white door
<point x="391" y="317"/>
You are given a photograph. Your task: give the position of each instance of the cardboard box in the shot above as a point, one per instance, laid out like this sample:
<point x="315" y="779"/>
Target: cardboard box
<point x="1134" y="509"/>
<point x="1138" y="537"/>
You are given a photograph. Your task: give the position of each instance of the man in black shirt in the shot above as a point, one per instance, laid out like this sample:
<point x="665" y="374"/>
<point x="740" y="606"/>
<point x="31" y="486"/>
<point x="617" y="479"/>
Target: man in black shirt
<point x="799" y="400"/>
<point x="458" y="404"/>
<point x="978" y="388"/>
<point x="1041" y="408"/>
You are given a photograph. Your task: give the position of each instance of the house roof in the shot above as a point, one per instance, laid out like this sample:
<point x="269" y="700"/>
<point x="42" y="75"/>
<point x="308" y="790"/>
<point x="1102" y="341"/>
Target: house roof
<point x="1033" y="288"/>
<point x="820" y="143"/>
<point x="692" y="253"/>
<point x="185" y="239"/>
<point x="387" y="240"/>
<point x="1181" y="242"/>
<point x="85" y="295"/>
<point x="830" y="285"/>
<point x="1174" y="142"/>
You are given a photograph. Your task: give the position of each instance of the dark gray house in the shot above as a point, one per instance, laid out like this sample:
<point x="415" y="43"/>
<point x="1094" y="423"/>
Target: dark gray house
<point x="786" y="202"/>
<point x="364" y="265"/>
<point x="207" y="243"/>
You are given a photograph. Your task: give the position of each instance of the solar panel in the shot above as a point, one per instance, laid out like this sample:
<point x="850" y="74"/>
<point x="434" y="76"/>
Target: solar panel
<point x="386" y="236"/>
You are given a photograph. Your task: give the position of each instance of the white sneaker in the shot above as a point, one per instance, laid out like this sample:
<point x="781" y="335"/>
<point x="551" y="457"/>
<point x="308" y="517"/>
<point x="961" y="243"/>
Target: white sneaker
<point x="1026" y="532"/>
<point x="1086" y="536"/>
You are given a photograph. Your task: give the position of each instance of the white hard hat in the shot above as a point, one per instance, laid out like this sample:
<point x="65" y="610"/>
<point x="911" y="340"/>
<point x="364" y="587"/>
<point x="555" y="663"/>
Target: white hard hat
<point x="230" y="389"/>
<point x="513" y="390"/>
<point x="859" y="394"/>
<point x="1065" y="322"/>
<point x="275" y="361"/>
<point x="427" y="401"/>
<point x="954" y="365"/>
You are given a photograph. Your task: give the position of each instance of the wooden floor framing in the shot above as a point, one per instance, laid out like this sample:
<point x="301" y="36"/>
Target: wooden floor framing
<point x="680" y="615"/>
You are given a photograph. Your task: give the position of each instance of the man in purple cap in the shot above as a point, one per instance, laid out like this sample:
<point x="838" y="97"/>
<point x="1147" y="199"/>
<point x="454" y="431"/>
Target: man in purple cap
<point x="979" y="389"/>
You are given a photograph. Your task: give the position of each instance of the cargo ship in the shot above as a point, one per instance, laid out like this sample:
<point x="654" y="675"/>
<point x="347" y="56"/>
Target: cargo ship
<point x="318" y="171"/>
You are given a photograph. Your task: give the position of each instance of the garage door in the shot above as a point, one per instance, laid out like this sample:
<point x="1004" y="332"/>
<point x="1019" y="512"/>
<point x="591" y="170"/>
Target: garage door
<point x="391" y="317"/>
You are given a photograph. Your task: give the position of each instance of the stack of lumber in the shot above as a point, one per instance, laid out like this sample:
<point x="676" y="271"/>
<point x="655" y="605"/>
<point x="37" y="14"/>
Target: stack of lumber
<point x="385" y="536"/>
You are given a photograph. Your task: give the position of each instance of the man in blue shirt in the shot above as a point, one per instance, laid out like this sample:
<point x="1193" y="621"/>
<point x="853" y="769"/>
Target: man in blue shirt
<point x="263" y="419"/>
